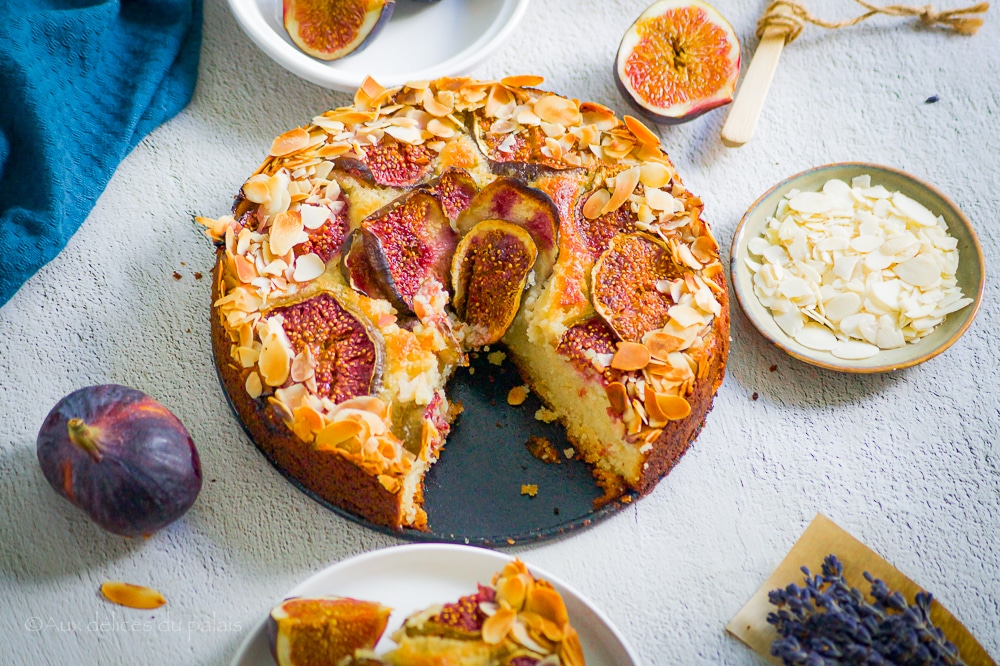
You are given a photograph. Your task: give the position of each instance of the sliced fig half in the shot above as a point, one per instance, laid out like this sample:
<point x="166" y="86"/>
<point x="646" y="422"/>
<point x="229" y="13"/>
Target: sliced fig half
<point x="455" y="189"/>
<point x="332" y="29"/>
<point x="678" y="60"/>
<point x="390" y="164"/>
<point x="584" y="339"/>
<point x="488" y="271"/>
<point x="409" y="242"/>
<point x="511" y="200"/>
<point x="356" y="269"/>
<point x="348" y="352"/>
<point x="623" y="284"/>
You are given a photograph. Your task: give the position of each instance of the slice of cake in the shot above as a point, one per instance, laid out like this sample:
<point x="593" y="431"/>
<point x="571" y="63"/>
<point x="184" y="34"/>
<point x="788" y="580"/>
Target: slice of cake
<point x="377" y="246"/>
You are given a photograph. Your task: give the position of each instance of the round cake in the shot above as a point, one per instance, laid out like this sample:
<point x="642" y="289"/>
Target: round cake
<point x="379" y="245"/>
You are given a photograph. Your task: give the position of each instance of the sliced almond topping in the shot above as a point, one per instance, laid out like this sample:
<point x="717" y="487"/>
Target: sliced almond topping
<point x="441" y="129"/>
<point x="617" y="396"/>
<point x="245" y="269"/>
<point x="368" y="91"/>
<point x="255" y="189"/>
<point x="289" y="142"/>
<point x="308" y="267"/>
<point x="625" y="184"/>
<point x="522" y="81"/>
<point x="285" y="232"/>
<point x="519" y="633"/>
<point x="496" y="628"/>
<point x="630" y="356"/>
<point x="366" y="403"/>
<point x="336" y="433"/>
<point x="654" y="174"/>
<point x="275" y="362"/>
<point x="512" y="590"/>
<point x="660" y="344"/>
<point x="312" y="419"/>
<point x="685" y="255"/>
<point x="705" y="249"/>
<point x="558" y="110"/>
<point x="596" y="203"/>
<point x="673" y="407"/>
<point x="434" y="106"/>
<point x="132" y="596"/>
<point x="390" y="483"/>
<point x="303" y="365"/>
<point x="656" y="414"/>
<point x="643" y="134"/>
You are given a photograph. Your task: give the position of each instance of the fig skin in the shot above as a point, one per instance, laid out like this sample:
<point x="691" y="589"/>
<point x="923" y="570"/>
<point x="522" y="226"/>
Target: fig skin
<point x="356" y="269"/>
<point x="340" y="28"/>
<point x="122" y="457"/>
<point x="680" y="110"/>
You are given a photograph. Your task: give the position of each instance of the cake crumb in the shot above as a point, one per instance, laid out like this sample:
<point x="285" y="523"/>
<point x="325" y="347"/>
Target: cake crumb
<point x="569" y="452"/>
<point x="472" y="371"/>
<point x="773" y="368"/>
<point x="497" y="357"/>
<point x="754" y="396"/>
<point x="529" y="489"/>
<point x="542" y="448"/>
<point x="545" y="415"/>
<point x="177" y="276"/>
<point x="517" y="395"/>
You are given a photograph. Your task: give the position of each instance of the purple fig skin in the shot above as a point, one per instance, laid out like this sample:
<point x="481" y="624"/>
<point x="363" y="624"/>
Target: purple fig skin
<point x="122" y="457"/>
<point x="292" y="27"/>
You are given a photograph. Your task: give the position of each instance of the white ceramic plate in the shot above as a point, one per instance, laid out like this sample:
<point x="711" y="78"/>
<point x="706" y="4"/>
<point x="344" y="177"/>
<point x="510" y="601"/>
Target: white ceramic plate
<point x="410" y="578"/>
<point x="420" y="41"/>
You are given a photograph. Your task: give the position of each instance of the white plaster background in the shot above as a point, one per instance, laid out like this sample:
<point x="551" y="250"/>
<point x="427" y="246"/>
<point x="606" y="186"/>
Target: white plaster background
<point x="907" y="462"/>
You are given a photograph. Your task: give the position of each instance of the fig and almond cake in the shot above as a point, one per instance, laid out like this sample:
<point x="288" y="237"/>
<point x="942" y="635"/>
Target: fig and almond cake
<point x="377" y="246"/>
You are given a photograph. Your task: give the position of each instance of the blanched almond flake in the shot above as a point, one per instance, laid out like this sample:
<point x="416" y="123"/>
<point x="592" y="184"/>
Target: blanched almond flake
<point x="517" y="395"/>
<point x="617" y="396"/>
<point x="289" y="142"/>
<point x="308" y="267"/>
<point x="654" y="174"/>
<point x="643" y="134"/>
<point x="630" y="356"/>
<point x="314" y="217"/>
<point x="303" y="365"/>
<point x="596" y="203"/>
<point x="285" y="232"/>
<point x="496" y="628"/>
<point x="625" y="184"/>
<point x="673" y="407"/>
<point x="522" y="81"/>
<point x="132" y="596"/>
<point x="255" y="189"/>
<point x="253" y="385"/>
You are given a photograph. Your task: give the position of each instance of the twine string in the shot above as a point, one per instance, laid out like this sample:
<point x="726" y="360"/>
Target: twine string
<point x="789" y="17"/>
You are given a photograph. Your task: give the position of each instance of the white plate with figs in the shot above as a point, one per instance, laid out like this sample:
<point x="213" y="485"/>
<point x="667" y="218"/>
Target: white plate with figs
<point x="410" y="578"/>
<point x="858" y="268"/>
<point x="421" y="40"/>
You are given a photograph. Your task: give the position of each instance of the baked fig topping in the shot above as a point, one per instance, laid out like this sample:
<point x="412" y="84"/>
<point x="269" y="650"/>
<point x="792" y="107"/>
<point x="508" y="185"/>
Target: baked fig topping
<point x="332" y="29"/>
<point x="678" y="60"/>
<point x="390" y="164"/>
<point x="409" y="242"/>
<point x="513" y="201"/>
<point x="455" y="189"/>
<point x="489" y="271"/>
<point x="597" y="233"/>
<point x="326" y="239"/>
<point x="356" y="268"/>
<point x="589" y="346"/>
<point x="122" y="457"/>
<point x="324" y="630"/>
<point x="463" y="618"/>
<point x="624" y="284"/>
<point x="347" y="353"/>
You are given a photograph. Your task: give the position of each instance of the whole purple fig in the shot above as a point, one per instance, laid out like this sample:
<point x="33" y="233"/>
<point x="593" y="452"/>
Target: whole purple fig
<point x="122" y="457"/>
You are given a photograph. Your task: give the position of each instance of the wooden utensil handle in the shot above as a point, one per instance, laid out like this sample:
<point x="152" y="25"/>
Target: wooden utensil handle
<point x="749" y="101"/>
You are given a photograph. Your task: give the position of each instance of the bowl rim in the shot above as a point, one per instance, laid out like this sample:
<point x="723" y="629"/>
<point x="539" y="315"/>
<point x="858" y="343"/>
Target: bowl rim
<point x="250" y="18"/>
<point x="736" y="265"/>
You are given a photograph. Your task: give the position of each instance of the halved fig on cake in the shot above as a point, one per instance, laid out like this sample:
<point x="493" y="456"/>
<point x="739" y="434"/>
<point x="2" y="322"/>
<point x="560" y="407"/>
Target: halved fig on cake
<point x="356" y="269"/>
<point x="513" y="201"/>
<point x="332" y="29"/>
<point x="409" y="242"/>
<point x="587" y="338"/>
<point x="455" y="189"/>
<point x="391" y="163"/>
<point x="624" y="284"/>
<point x="342" y="352"/>
<point x="324" y="630"/>
<point x="489" y="271"/>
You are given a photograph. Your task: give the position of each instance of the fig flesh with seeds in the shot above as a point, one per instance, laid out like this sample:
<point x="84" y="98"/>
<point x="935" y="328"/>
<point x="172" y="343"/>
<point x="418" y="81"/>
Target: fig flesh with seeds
<point x="324" y="630"/>
<point x="511" y="200"/>
<point x="623" y="284"/>
<point x="678" y="60"/>
<point x="489" y="271"/>
<point x="332" y="29"/>
<point x="348" y="352"/>
<point x="409" y="242"/>
<point x="390" y="164"/>
<point x="455" y="189"/>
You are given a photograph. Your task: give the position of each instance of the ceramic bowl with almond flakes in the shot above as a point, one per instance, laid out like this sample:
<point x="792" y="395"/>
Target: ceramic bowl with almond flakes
<point x="858" y="268"/>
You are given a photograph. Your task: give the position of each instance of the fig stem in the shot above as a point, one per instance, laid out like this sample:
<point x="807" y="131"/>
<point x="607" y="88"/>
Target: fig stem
<point x="85" y="437"/>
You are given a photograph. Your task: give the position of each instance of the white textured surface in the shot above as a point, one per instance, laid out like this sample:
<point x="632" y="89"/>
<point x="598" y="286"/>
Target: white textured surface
<point x="907" y="462"/>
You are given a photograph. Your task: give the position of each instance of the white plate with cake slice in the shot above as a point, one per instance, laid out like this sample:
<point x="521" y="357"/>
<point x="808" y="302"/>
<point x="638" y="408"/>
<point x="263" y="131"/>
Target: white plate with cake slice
<point x="410" y="578"/>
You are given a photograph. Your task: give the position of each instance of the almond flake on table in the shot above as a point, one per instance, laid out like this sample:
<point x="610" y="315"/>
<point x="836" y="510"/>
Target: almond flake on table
<point x="853" y="269"/>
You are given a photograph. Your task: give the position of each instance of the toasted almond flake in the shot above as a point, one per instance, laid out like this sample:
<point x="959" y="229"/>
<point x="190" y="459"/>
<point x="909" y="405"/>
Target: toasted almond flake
<point x="366" y="403"/>
<point x="275" y="362"/>
<point x="517" y="395"/>
<point x="625" y="184"/>
<point x="596" y="203"/>
<point x="673" y="407"/>
<point x="705" y="249"/>
<point x="253" y="386"/>
<point x="245" y="270"/>
<point x="303" y="365"/>
<point x="132" y="596"/>
<point x="308" y="267"/>
<point x="291" y="141"/>
<point x="654" y="174"/>
<point x="314" y="217"/>
<point x="630" y="356"/>
<point x="522" y="81"/>
<point x="557" y="110"/>
<point x="285" y="232"/>
<point x="643" y="134"/>
<point x="255" y="189"/>
<point x="336" y="433"/>
<point x="434" y="106"/>
<point x="496" y="628"/>
<point x="686" y="316"/>
<point x="617" y="396"/>
<point x="441" y="129"/>
<point x="660" y="344"/>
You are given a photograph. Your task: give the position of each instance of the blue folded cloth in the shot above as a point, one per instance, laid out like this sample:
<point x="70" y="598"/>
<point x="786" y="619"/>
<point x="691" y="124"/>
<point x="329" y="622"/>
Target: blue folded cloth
<point x="81" y="83"/>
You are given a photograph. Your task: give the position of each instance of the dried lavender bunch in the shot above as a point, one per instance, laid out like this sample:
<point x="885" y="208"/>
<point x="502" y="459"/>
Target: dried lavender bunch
<point x="826" y="623"/>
